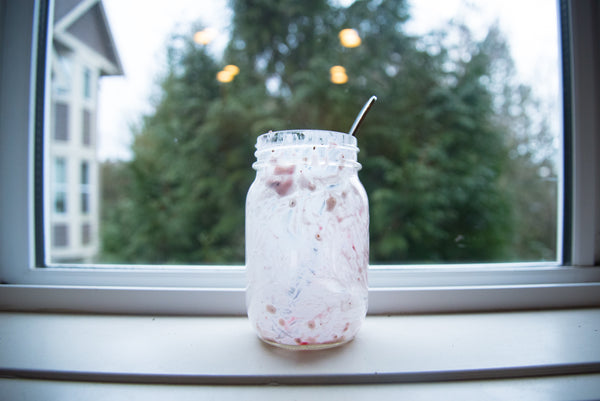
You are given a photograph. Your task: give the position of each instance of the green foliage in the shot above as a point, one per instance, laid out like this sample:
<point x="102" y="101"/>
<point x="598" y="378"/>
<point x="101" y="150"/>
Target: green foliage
<point x="442" y="184"/>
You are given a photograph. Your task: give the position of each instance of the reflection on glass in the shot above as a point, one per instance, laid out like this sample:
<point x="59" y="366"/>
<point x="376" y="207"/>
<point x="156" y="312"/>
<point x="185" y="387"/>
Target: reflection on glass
<point x="460" y="157"/>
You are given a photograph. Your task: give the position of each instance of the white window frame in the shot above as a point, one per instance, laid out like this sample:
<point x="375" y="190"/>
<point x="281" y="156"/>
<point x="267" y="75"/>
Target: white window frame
<point x="220" y="289"/>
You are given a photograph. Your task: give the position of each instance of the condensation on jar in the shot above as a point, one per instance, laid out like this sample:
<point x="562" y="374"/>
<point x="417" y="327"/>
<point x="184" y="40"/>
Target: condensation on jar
<point x="307" y="240"/>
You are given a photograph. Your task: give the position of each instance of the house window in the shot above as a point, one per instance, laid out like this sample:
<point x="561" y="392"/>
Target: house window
<point x="87" y="127"/>
<point x="60" y="202"/>
<point x="87" y="83"/>
<point x="61" y="121"/>
<point x="62" y="72"/>
<point x="60" y="235"/>
<point x="86" y="233"/>
<point x="60" y="185"/>
<point x="85" y="187"/>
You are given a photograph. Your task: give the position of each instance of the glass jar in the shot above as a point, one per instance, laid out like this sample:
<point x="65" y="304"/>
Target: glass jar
<point x="307" y="240"/>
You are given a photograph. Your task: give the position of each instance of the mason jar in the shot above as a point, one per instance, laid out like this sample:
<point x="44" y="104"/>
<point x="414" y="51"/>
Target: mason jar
<point x="307" y="240"/>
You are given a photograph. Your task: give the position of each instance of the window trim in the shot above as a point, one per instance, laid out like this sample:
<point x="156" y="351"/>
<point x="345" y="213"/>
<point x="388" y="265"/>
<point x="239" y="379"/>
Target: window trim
<point x="220" y="289"/>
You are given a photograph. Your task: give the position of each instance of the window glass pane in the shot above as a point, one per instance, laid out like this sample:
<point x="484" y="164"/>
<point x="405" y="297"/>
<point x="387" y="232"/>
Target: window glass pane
<point x="85" y="202"/>
<point x="87" y="128"/>
<point x="59" y="186"/>
<point x="61" y="121"/>
<point x="61" y="71"/>
<point x="85" y="188"/>
<point x="60" y="170"/>
<point x="60" y="201"/>
<point x="86" y="234"/>
<point x="87" y="83"/>
<point x="461" y="153"/>
<point x="60" y="235"/>
<point x="85" y="173"/>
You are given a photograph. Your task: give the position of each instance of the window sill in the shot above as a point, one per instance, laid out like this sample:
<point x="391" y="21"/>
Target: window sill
<point x="557" y="351"/>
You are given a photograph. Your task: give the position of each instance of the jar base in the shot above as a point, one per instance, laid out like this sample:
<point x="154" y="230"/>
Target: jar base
<point x="307" y="347"/>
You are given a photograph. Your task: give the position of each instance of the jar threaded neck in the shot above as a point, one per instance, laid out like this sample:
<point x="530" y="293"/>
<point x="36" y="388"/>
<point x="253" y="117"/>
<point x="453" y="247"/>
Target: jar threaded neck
<point x="308" y="147"/>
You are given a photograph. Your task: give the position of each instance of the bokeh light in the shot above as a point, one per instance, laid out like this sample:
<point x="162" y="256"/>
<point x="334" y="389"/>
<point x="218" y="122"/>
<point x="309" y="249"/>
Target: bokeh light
<point x="205" y="36"/>
<point x="233" y="69"/>
<point x="228" y="73"/>
<point x="349" y="38"/>
<point x="224" y="76"/>
<point x="337" y="69"/>
<point x="337" y="75"/>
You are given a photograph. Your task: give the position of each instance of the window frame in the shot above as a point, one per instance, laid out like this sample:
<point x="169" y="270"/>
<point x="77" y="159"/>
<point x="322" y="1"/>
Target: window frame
<point x="220" y="289"/>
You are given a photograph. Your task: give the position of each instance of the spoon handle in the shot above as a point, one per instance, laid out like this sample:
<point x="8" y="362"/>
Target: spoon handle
<point x="361" y="115"/>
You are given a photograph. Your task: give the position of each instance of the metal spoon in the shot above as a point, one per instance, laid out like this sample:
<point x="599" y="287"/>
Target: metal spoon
<point x="361" y="115"/>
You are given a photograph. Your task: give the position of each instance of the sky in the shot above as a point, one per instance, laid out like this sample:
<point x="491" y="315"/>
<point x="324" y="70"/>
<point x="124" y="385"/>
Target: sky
<point x="531" y="32"/>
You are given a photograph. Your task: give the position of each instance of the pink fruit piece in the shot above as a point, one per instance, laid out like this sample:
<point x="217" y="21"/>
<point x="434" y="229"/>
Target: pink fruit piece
<point x="281" y="187"/>
<point x="279" y="170"/>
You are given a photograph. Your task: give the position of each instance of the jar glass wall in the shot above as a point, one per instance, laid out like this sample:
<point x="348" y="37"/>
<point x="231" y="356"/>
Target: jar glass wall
<point x="307" y="240"/>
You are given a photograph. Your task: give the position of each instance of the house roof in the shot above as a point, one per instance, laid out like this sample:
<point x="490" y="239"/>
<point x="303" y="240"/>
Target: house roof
<point x="85" y="22"/>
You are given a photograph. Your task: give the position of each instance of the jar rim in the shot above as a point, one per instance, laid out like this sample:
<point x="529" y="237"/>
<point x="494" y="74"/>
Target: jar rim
<point x="331" y="148"/>
<point x="304" y="137"/>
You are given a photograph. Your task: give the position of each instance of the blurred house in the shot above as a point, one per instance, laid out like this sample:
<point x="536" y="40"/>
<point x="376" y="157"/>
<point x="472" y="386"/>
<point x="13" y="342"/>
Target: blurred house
<point x="83" y="51"/>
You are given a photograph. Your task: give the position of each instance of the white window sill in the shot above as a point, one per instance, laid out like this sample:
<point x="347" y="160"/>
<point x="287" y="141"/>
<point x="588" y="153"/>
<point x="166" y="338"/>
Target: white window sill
<point x="448" y="355"/>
